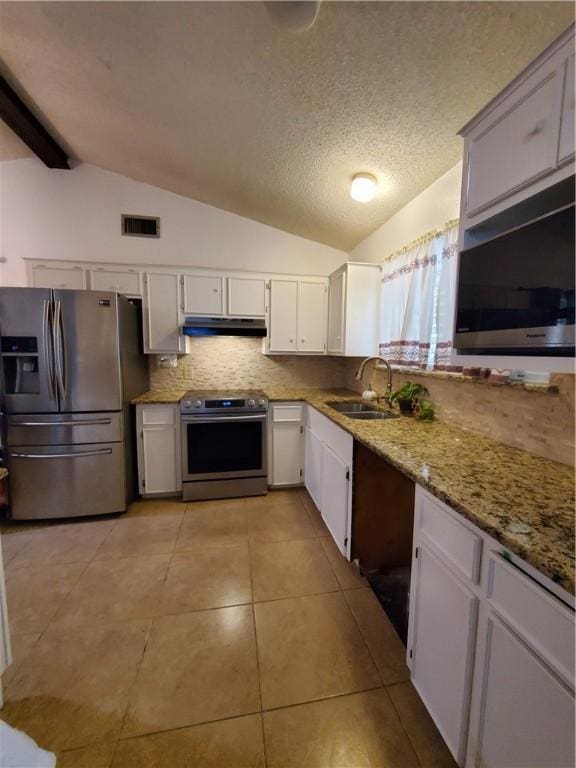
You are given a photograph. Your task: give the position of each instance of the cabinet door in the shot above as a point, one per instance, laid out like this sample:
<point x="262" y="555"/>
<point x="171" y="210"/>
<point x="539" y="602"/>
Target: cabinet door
<point x="58" y="277"/>
<point x="246" y="297"/>
<point x="283" y="315"/>
<point x="311" y="317"/>
<point x="158" y="449"/>
<point x="287" y="453"/>
<point x="203" y="295"/>
<point x="313" y="467"/>
<point x="520" y="143"/>
<point x="336" y="298"/>
<point x="566" y="146"/>
<point x="160" y="312"/>
<point x="127" y="283"/>
<point x="334" y="495"/>
<point x="527" y="713"/>
<point x="444" y="624"/>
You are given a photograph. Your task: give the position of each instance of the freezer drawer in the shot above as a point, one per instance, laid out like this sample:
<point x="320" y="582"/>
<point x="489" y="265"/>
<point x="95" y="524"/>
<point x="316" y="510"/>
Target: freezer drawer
<point x="66" y="481"/>
<point x="64" y="428"/>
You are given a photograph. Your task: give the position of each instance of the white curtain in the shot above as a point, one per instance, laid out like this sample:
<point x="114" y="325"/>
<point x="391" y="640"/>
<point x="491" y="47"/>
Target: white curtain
<point x="417" y="303"/>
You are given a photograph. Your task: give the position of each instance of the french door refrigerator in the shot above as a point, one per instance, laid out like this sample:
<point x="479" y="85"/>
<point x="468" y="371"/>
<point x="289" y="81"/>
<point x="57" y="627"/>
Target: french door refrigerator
<point x="71" y="362"/>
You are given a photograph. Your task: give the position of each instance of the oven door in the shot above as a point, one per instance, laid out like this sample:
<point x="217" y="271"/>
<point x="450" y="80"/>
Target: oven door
<point x="215" y="447"/>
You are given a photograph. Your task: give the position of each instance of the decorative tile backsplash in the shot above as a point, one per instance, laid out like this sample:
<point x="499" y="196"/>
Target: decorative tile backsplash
<point x="541" y="423"/>
<point x="538" y="422"/>
<point x="237" y="362"/>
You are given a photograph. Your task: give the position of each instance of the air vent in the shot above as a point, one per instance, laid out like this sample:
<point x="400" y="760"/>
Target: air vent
<point x="140" y="226"/>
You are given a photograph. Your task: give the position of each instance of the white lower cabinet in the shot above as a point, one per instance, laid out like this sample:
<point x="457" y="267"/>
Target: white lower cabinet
<point x="328" y="473"/>
<point x="286" y="436"/>
<point x="527" y="712"/>
<point x="490" y="646"/>
<point x="444" y="616"/>
<point x="313" y="467"/>
<point x="158" y="430"/>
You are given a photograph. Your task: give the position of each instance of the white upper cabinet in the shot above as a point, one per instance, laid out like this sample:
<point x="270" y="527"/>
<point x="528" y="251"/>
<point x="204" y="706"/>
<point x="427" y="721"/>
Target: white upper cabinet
<point x="58" y="277"/>
<point x="283" y="316"/>
<point x="160" y="310"/>
<point x="354" y="310"/>
<point x="312" y="317"/>
<point x="126" y="282"/>
<point x="203" y="295"/>
<point x="566" y="146"/>
<point x="336" y="298"/>
<point x="519" y="144"/>
<point x="246" y="297"/>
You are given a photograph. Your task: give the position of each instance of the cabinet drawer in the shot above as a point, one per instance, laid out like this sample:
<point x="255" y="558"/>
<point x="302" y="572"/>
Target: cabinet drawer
<point x="126" y="283"/>
<point x="539" y="617"/>
<point x="287" y="413"/>
<point x="153" y="415"/>
<point x="459" y="546"/>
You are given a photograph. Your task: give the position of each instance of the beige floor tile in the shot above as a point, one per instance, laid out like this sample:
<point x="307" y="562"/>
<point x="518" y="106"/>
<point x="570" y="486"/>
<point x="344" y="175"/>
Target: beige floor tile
<point x="290" y="569"/>
<point x="274" y="498"/>
<point x="71" y="543"/>
<point x="346" y="573"/>
<point x="281" y="522"/>
<point x="214" y="524"/>
<point x="136" y="536"/>
<point x="115" y="590"/>
<point x="207" y="577"/>
<point x="310" y="648"/>
<point x="197" y="667"/>
<point x="74" y="689"/>
<point x="233" y="743"/>
<point x="35" y="594"/>
<point x="357" y="731"/>
<point x="152" y="507"/>
<point x="13" y="541"/>
<point x="95" y="756"/>
<point x="22" y="646"/>
<point x="387" y="649"/>
<point x="426" y="740"/>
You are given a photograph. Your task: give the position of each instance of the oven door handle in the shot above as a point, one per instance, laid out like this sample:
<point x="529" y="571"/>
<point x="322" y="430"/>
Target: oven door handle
<point x="209" y="419"/>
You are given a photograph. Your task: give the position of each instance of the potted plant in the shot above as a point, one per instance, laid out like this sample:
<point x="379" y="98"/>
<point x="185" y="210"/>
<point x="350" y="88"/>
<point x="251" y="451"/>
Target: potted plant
<point x="410" y="397"/>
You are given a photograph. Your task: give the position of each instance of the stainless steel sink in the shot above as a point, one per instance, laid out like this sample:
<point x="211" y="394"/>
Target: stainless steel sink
<point x="351" y="407"/>
<point x="358" y="410"/>
<point x="372" y="415"/>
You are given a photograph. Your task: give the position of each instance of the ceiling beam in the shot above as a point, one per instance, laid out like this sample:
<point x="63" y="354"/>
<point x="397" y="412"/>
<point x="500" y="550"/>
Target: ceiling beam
<point x="20" y="119"/>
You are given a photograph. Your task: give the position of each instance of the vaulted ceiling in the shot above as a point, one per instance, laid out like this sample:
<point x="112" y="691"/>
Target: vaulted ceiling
<point x="212" y="101"/>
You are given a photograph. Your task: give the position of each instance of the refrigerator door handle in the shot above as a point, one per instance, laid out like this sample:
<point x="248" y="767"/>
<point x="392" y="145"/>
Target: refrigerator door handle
<point x="46" y="320"/>
<point x="75" y="423"/>
<point x="79" y="455"/>
<point x="59" y="350"/>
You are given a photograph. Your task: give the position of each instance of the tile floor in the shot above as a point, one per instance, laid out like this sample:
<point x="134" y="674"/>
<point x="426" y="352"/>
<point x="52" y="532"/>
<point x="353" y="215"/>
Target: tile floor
<point x="219" y="634"/>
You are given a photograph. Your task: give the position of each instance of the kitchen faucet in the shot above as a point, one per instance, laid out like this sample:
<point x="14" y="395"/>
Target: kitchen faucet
<point x="380" y="359"/>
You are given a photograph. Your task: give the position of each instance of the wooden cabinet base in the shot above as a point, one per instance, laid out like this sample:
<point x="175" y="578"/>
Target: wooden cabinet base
<point x="383" y="512"/>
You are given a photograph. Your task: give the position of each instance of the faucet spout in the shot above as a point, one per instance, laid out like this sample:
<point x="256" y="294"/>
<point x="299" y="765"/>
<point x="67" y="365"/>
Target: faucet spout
<point x="380" y="359"/>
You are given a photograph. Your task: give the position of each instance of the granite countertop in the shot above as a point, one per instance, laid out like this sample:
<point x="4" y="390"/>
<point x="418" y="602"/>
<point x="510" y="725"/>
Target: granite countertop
<point x="523" y="501"/>
<point x="3" y="473"/>
<point x="160" y="396"/>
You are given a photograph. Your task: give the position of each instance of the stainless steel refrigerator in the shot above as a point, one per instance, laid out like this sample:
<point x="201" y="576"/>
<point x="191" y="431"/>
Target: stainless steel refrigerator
<point x="71" y="361"/>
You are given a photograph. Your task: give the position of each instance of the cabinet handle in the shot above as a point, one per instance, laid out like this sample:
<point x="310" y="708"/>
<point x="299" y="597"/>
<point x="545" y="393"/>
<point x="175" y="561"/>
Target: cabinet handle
<point x="215" y="290"/>
<point x="538" y="128"/>
<point x="302" y="341"/>
<point x="291" y="341"/>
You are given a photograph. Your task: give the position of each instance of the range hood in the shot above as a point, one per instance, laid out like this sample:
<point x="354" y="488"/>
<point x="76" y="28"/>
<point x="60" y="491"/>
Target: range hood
<point x="223" y="326"/>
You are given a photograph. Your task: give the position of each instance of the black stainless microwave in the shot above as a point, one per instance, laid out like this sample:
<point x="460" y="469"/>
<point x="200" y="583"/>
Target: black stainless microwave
<point x="516" y="291"/>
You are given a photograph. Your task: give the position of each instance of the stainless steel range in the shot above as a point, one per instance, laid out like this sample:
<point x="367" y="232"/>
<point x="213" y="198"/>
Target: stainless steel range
<point x="224" y="448"/>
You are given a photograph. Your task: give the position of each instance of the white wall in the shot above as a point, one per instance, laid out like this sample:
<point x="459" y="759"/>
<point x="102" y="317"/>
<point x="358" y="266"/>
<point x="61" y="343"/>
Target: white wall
<point x="439" y="203"/>
<point x="50" y="214"/>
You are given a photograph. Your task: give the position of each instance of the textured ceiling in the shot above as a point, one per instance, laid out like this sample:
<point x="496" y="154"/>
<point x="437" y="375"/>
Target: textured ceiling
<point x="211" y="101"/>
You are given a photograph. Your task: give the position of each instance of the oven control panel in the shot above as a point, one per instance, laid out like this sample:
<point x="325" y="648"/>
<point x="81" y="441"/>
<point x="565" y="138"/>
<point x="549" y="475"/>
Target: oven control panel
<point x="254" y="402"/>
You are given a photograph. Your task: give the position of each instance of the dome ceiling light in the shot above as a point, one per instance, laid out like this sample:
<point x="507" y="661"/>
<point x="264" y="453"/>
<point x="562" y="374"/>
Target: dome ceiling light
<point x="363" y="187"/>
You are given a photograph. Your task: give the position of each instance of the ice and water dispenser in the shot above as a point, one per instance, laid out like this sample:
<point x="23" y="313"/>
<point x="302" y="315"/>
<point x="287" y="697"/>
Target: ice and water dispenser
<point x="20" y="365"/>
